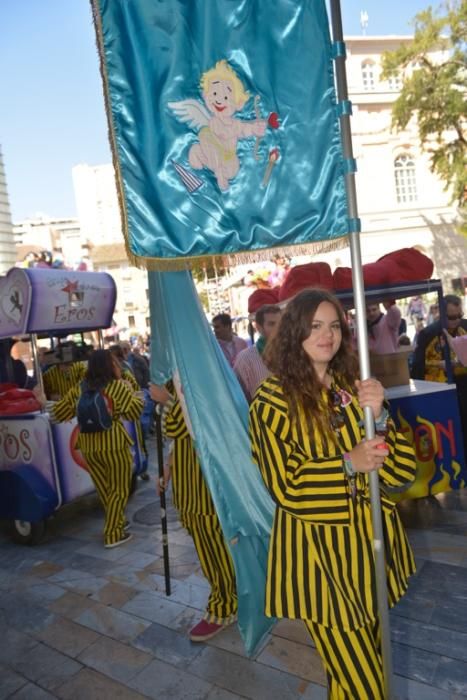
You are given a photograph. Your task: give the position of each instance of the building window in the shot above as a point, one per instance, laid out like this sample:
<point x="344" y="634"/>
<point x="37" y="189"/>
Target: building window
<point x="395" y="83"/>
<point x="148" y="321"/>
<point x="368" y="75"/>
<point x="404" y="174"/>
<point x="131" y="321"/>
<point x="147" y="294"/>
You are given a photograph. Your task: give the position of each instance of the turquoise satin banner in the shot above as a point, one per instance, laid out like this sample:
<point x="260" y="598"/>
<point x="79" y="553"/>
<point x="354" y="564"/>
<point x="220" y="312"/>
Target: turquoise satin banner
<point x="218" y="413"/>
<point x="224" y="125"/>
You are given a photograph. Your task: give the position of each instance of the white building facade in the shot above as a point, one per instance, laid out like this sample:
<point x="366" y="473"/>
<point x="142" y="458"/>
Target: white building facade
<point x="97" y="203"/>
<point x="400" y="202"/>
<point x="7" y="242"/>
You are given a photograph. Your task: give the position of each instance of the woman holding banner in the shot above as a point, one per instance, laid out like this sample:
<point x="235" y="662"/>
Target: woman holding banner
<point x="308" y="441"/>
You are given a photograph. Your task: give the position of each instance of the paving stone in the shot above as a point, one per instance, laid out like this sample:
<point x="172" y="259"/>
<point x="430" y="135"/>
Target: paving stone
<point x="415" y="606"/>
<point x="438" y="640"/>
<point x="221" y="694"/>
<point x="414" y="663"/>
<point x="79" y="581"/>
<point x="90" y="685"/>
<point x="96" y="565"/>
<point x="186" y="620"/>
<point x="160" y="680"/>
<point x="451" y="675"/>
<point x="113" y="623"/>
<point x="450" y="614"/>
<point x="114" y="594"/>
<point x="154" y="607"/>
<point x="32" y="692"/>
<point x="314" y="692"/>
<point x="177" y="571"/>
<point x="26" y="616"/>
<point x="15" y="645"/>
<point x="138" y="560"/>
<point x="229" y="640"/>
<point x="67" y="636"/>
<point x="45" y="666"/>
<point x="167" y="645"/>
<point x="45" y="592"/>
<point x="44" y="569"/>
<point x="297" y="659"/>
<point x="407" y="689"/>
<point x="10" y="682"/>
<point x="294" y="630"/>
<point x="182" y="592"/>
<point x="71" y="605"/>
<point x="245" y="677"/>
<point x="97" y="549"/>
<point x="114" y="659"/>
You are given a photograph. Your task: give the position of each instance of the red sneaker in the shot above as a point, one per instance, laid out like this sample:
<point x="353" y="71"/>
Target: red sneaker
<point x="204" y="630"/>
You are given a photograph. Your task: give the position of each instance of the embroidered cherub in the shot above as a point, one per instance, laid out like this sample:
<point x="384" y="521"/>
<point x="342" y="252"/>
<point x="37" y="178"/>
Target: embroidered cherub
<point x="219" y="131"/>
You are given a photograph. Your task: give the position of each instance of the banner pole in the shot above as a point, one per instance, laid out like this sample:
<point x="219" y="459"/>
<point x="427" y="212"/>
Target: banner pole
<point x="160" y="466"/>
<point x="364" y="359"/>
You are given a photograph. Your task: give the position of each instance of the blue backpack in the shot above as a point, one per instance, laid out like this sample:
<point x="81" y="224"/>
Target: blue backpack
<point x="92" y="411"/>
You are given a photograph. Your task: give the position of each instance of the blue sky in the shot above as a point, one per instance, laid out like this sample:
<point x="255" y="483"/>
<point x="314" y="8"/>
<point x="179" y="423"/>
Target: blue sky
<point x="52" y="112"/>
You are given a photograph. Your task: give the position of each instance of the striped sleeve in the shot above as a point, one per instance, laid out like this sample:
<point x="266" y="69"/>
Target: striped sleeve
<point x="400" y="465"/>
<point x="65" y="409"/>
<point x="126" y="403"/>
<point x="130" y="378"/>
<point x="174" y="424"/>
<point x="316" y="489"/>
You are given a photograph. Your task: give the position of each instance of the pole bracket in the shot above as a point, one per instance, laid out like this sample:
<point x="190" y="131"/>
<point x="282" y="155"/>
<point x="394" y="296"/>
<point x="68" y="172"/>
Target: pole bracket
<point x="350" y="165"/>
<point x="354" y="225"/>
<point x="338" y="50"/>
<point x="344" y="108"/>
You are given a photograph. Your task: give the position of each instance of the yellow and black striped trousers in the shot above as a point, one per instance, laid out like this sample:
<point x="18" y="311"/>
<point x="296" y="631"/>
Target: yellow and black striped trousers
<point x="111" y="474"/>
<point x="352" y="660"/>
<point x="216" y="563"/>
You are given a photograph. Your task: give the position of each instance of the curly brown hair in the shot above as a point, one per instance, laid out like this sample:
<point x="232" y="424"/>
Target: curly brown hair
<point x="289" y="362"/>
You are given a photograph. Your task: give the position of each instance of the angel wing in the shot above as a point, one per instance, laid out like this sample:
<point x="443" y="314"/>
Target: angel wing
<point x="192" y="112"/>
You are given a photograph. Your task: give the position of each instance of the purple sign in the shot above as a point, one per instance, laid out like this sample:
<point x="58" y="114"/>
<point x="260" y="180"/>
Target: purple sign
<point x="15" y="301"/>
<point x="55" y="301"/>
<point x="67" y="300"/>
<point x="28" y="442"/>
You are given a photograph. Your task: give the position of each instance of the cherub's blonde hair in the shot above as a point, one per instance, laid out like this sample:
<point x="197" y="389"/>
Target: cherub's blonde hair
<point x="222" y="71"/>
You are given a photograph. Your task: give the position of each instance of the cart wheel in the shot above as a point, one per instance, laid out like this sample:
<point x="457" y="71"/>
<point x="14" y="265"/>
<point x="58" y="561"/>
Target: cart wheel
<point x="25" y="532"/>
<point x="134" y="484"/>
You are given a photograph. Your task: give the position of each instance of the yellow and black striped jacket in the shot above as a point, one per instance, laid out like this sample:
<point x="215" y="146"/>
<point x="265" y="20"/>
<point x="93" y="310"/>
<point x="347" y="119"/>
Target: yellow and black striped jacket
<point x="321" y="564"/>
<point x="123" y="404"/>
<point x="60" y="382"/>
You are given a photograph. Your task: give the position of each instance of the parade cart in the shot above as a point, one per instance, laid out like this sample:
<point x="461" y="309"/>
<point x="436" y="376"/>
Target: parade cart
<point x="41" y="469"/>
<point x="426" y="412"/>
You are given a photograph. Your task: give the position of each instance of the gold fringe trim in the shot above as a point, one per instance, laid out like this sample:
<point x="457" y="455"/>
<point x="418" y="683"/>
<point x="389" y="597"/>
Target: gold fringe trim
<point x="96" y="16"/>
<point x="239" y="258"/>
<point x="185" y="263"/>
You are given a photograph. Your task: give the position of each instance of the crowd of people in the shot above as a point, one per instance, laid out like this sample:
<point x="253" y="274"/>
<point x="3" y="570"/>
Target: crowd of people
<point x="300" y="377"/>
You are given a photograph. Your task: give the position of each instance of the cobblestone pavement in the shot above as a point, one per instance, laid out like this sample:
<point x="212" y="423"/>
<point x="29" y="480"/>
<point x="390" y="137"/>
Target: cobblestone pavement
<point x="80" y="622"/>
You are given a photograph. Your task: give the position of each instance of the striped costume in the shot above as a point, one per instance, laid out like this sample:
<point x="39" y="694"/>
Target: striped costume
<point x="321" y="564"/>
<point x="58" y="381"/>
<point x="107" y="453"/>
<point x="193" y="501"/>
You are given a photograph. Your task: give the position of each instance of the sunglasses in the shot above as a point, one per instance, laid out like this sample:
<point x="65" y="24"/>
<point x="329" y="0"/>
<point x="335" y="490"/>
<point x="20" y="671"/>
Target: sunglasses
<point x="456" y="317"/>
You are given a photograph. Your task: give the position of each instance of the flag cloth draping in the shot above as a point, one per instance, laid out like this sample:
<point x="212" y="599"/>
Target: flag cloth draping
<point x="218" y="415"/>
<point x="223" y="125"/>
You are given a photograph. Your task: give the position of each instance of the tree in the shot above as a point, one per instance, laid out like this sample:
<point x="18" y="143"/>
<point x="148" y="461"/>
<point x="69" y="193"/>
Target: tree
<point x="434" y="91"/>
